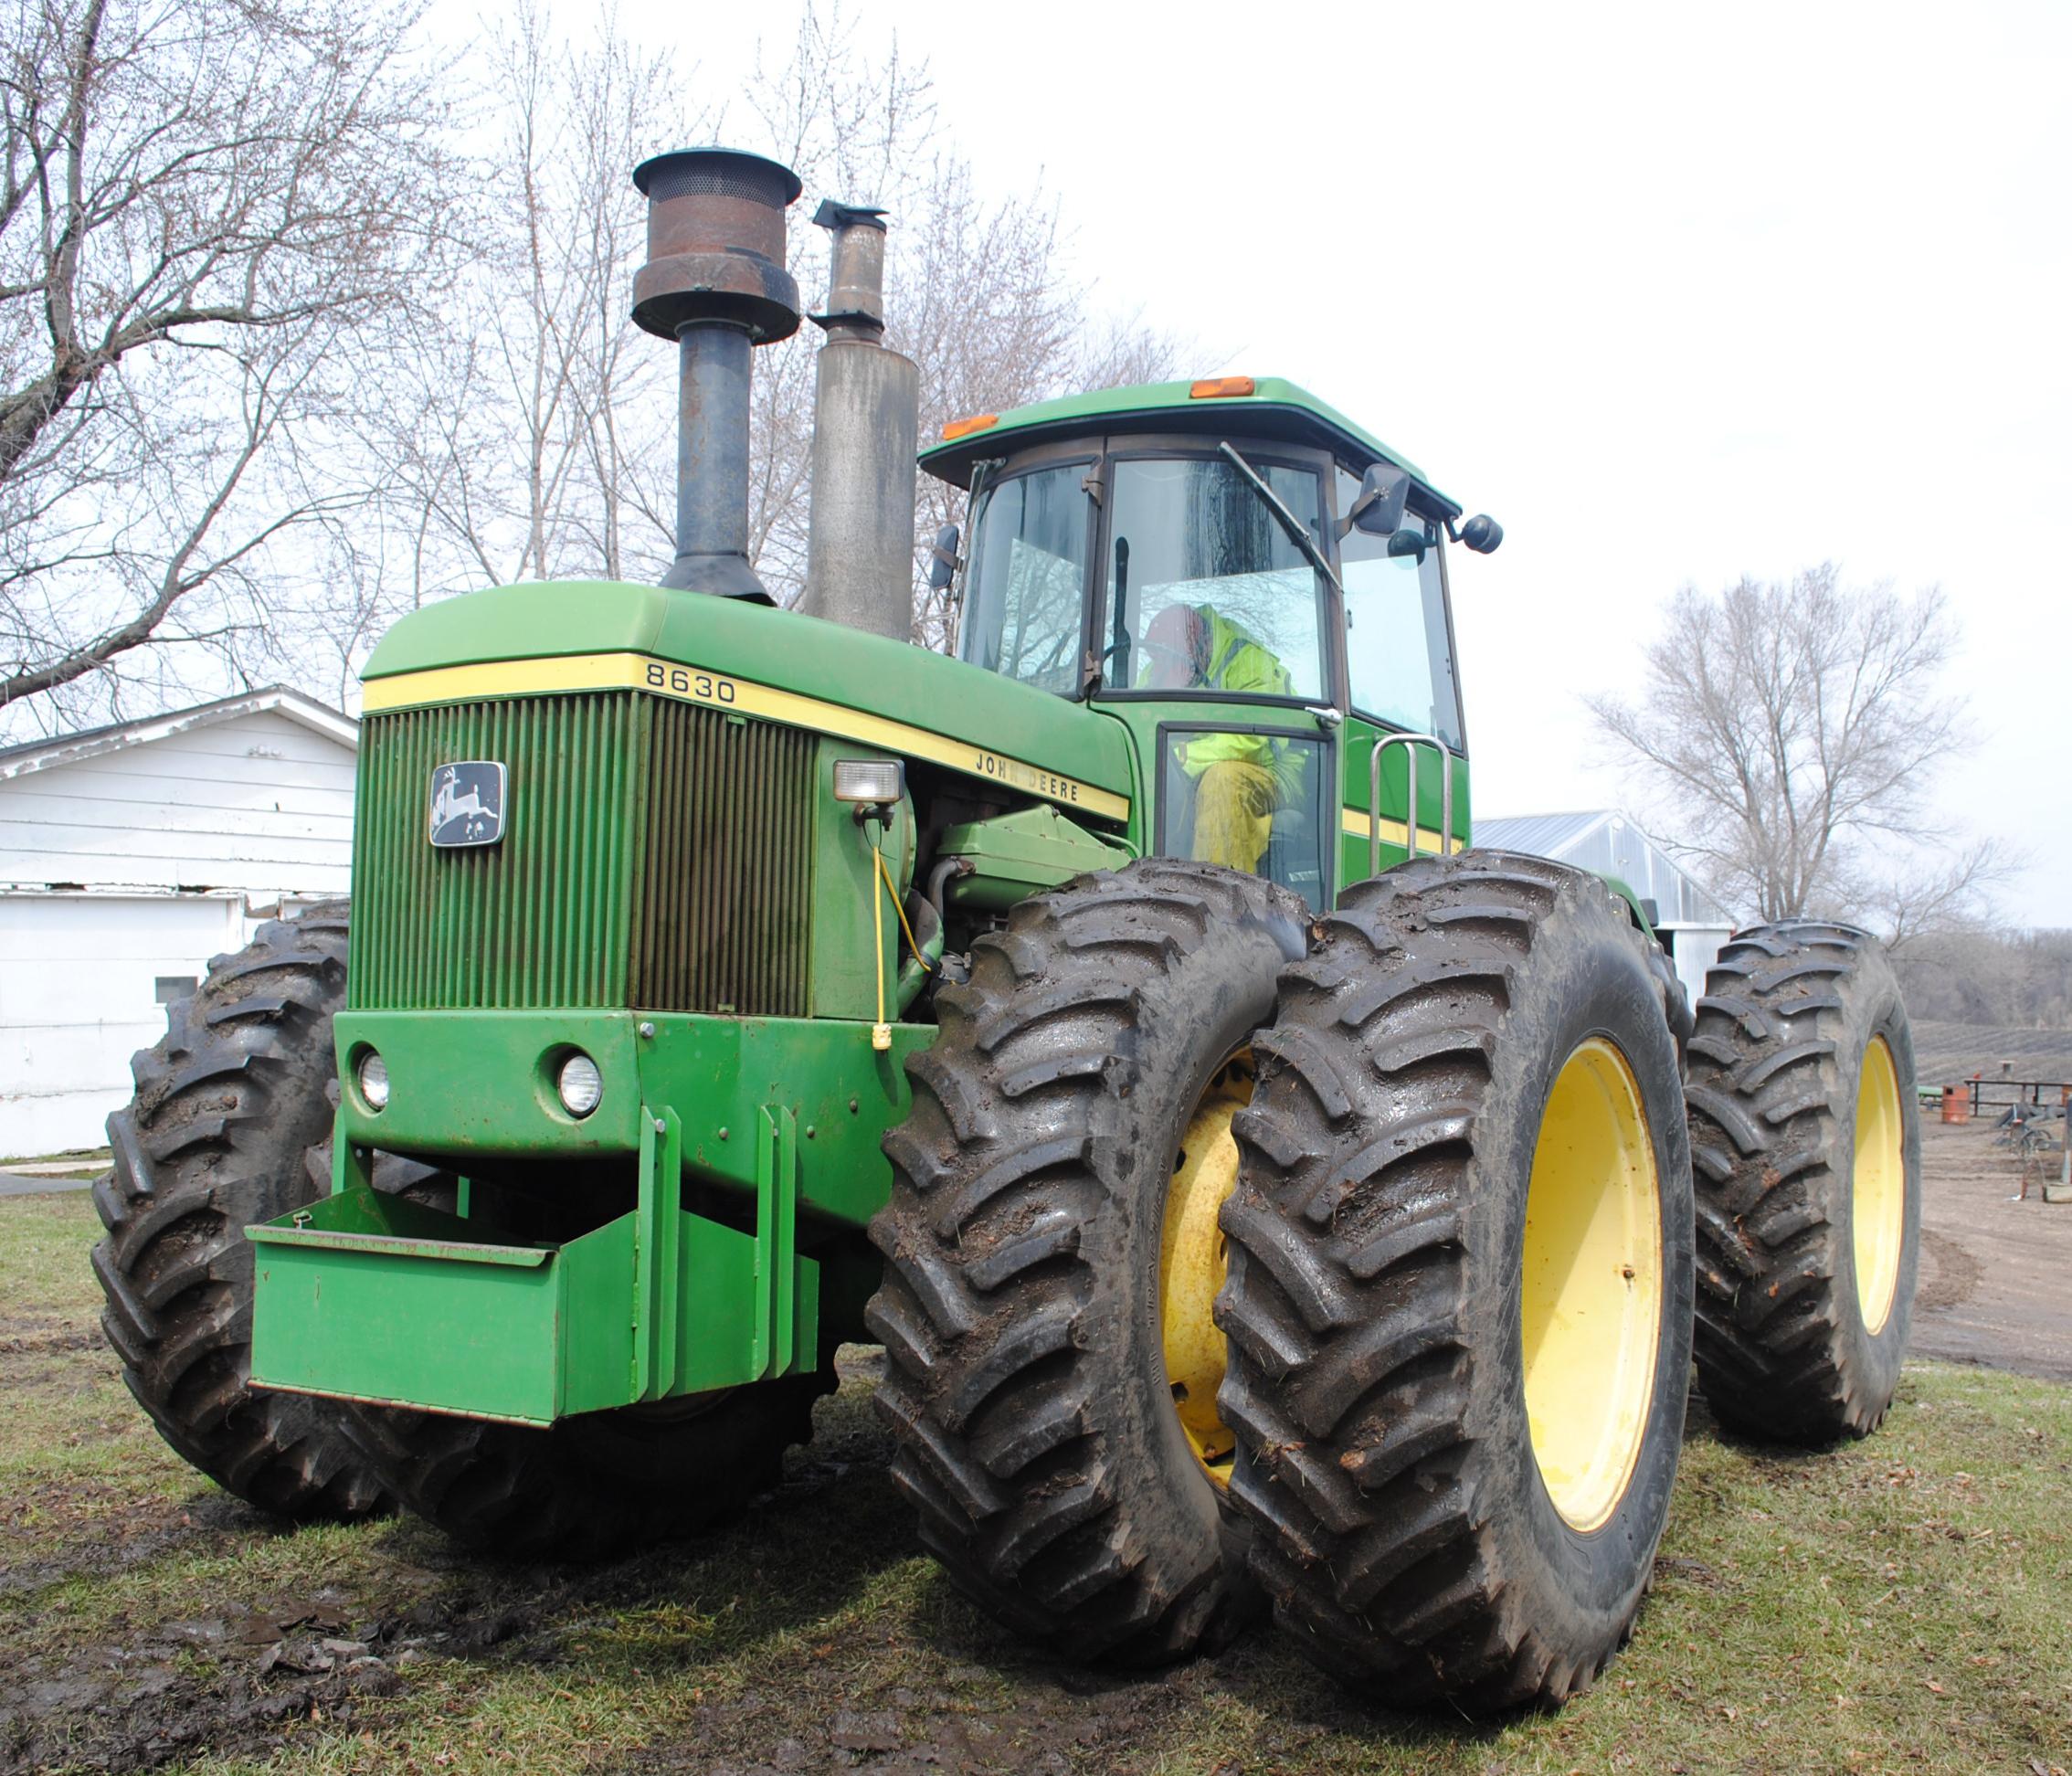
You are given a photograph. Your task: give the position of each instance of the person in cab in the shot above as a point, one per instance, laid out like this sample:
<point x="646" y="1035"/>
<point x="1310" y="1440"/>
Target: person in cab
<point x="1239" y="778"/>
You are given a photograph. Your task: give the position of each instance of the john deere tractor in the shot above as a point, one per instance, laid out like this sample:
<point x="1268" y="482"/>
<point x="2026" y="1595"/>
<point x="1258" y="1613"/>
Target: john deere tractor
<point x="1260" y="1195"/>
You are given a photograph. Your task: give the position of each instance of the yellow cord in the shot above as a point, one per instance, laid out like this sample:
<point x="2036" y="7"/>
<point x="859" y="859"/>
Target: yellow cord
<point x="925" y="965"/>
<point x="878" y="948"/>
<point x="881" y="1032"/>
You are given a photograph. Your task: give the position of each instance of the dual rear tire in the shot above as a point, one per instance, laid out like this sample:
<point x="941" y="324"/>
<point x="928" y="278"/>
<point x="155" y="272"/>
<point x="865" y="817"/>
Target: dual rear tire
<point x="1051" y="1258"/>
<point x="1462" y="1247"/>
<point x="1459" y="1304"/>
<point x="1805" y="1134"/>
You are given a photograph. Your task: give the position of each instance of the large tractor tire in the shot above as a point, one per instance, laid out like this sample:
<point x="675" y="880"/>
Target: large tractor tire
<point x="1053" y="1259"/>
<point x="597" y="1485"/>
<point x="1806" y="1138"/>
<point x="1459" y="1304"/>
<point x="230" y="1107"/>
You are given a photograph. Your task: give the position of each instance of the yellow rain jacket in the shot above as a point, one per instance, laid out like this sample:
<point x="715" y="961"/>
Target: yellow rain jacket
<point x="1240" y="779"/>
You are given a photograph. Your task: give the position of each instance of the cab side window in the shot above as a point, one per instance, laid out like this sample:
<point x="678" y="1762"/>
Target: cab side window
<point x="1397" y="656"/>
<point x="1026" y="584"/>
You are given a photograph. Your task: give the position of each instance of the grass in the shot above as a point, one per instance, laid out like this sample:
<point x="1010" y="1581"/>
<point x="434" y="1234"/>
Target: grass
<point x="1899" y="1603"/>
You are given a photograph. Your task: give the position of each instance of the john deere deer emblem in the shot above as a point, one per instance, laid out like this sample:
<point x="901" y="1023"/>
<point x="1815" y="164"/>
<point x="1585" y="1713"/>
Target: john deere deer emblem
<point x="467" y="803"/>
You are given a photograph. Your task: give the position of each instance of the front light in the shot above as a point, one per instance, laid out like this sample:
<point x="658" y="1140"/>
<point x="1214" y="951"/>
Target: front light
<point x="580" y="1085"/>
<point x="373" y="1077"/>
<point x="868" y="779"/>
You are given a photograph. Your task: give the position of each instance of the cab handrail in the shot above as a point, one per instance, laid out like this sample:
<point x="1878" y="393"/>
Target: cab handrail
<point x="1411" y="744"/>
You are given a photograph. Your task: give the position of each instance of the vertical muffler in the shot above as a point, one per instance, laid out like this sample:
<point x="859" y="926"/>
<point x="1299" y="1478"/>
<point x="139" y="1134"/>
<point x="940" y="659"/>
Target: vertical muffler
<point x="866" y="426"/>
<point x="715" y="282"/>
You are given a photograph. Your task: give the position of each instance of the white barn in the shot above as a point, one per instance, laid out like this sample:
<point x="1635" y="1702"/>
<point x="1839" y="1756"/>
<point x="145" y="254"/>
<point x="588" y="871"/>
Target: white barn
<point x="130" y="855"/>
<point x="1610" y="842"/>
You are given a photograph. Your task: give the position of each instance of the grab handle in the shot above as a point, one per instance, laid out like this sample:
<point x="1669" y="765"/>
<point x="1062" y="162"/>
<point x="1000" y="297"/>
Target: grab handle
<point x="1411" y="744"/>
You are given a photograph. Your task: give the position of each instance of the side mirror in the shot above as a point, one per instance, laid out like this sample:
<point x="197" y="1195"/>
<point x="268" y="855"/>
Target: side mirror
<point x="1406" y="543"/>
<point x="1379" y="510"/>
<point x="942" y="559"/>
<point x="1481" y="534"/>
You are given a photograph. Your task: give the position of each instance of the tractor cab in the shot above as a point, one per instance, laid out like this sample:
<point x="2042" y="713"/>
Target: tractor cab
<point x="1251" y="584"/>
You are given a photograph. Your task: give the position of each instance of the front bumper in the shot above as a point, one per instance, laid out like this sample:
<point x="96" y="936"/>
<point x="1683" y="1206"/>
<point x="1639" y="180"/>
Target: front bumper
<point x="368" y="1296"/>
<point x="469" y="1085"/>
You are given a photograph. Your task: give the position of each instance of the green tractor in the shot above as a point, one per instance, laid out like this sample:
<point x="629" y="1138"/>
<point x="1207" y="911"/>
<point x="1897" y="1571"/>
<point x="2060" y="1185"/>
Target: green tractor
<point x="1259" y="1196"/>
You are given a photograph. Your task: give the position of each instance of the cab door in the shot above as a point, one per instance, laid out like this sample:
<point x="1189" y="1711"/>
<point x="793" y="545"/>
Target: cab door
<point x="1213" y="630"/>
<point x="1401" y="678"/>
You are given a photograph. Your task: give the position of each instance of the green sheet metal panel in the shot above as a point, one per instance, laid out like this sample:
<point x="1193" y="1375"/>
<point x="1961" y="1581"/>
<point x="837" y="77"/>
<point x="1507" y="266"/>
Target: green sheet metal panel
<point x="855" y="926"/>
<point x="466" y="1083"/>
<point x="1273" y="406"/>
<point x="396" y="1306"/>
<point x="347" y="1306"/>
<point x="482" y="1082"/>
<point x="1016" y="855"/>
<point x="976" y="717"/>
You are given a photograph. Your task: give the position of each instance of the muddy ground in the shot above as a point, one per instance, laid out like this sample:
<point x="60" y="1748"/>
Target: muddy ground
<point x="1997" y="1272"/>
<point x="150" y="1621"/>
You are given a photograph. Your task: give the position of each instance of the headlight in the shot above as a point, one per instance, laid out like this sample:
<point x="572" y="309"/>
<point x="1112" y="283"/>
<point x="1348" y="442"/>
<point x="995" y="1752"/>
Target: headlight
<point x="580" y="1085"/>
<point x="868" y="779"/>
<point x="372" y="1076"/>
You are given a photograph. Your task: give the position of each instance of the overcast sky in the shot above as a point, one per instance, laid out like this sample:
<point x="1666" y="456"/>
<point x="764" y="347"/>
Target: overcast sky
<point x="1676" y="294"/>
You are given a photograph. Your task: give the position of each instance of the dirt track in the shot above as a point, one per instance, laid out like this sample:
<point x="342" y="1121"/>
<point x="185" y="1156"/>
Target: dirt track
<point x="1996" y="1275"/>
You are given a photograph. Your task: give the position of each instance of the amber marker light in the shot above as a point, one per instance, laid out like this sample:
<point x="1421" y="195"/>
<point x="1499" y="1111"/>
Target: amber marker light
<point x="1217" y="388"/>
<point x="965" y="428"/>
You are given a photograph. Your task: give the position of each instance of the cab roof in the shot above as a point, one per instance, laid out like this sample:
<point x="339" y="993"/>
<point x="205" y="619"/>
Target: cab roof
<point x="1275" y="407"/>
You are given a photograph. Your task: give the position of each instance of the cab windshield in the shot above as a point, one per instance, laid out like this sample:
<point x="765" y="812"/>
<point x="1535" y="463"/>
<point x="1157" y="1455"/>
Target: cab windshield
<point x="1207" y="592"/>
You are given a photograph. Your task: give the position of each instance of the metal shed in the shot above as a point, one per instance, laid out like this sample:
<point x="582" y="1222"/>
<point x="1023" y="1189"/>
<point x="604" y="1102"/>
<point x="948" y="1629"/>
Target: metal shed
<point x="1612" y="843"/>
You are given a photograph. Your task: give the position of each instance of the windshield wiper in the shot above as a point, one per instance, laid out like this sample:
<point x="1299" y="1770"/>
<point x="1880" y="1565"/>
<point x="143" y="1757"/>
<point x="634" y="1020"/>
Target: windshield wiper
<point x="1298" y="532"/>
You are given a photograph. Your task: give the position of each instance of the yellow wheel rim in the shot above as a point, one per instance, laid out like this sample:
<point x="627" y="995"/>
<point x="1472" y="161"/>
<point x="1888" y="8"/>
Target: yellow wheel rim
<point x="1192" y="1261"/>
<point x="1592" y="1304"/>
<point x="1878" y="1192"/>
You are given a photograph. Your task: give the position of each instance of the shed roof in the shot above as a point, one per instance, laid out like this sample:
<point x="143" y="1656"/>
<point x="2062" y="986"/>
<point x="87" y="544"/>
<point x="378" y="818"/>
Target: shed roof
<point x="1541" y="835"/>
<point x="90" y="743"/>
<point x="1613" y="842"/>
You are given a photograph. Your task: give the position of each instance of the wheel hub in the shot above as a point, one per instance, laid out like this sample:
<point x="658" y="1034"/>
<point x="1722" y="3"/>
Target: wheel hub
<point x="1592" y="1304"/>
<point x="1878" y="1196"/>
<point x="1192" y="1262"/>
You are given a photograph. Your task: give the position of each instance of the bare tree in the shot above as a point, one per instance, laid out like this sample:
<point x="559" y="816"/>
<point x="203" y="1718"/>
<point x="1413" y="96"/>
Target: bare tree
<point x="538" y="440"/>
<point x="202" y="210"/>
<point x="536" y="444"/>
<point x="1792" y="729"/>
<point x="1917" y="906"/>
<point x="978" y="292"/>
<point x="1976" y="974"/>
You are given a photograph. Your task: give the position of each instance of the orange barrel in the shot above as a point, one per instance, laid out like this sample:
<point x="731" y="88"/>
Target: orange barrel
<point x="1956" y="1107"/>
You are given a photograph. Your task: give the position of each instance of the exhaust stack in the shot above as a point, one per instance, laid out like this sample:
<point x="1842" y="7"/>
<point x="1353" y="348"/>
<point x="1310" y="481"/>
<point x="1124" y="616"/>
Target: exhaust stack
<point x="866" y="426"/>
<point x="714" y="282"/>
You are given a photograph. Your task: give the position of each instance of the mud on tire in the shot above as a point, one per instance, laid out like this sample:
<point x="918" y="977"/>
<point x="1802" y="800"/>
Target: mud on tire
<point x="1795" y="1341"/>
<point x="1404" y="1525"/>
<point x="1025" y="1378"/>
<point x="230" y="1105"/>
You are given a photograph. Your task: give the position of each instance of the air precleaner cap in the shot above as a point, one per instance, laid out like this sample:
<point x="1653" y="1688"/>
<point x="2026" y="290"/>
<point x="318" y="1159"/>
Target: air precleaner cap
<point x="716" y="284"/>
<point x="715" y="243"/>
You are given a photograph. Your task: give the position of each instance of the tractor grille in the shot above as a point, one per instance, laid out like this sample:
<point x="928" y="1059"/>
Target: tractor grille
<point x="723" y="921"/>
<point x="655" y="854"/>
